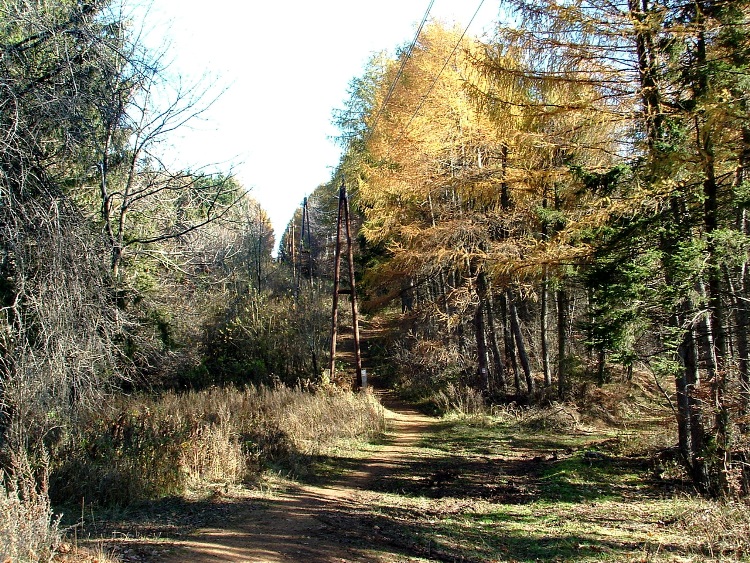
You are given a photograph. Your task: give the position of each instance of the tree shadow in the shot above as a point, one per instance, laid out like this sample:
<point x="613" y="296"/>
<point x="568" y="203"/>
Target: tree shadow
<point x="308" y="523"/>
<point x="532" y="470"/>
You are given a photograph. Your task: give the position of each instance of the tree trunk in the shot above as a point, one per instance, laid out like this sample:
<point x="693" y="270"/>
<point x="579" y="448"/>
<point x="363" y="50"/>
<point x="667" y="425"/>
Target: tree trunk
<point x="687" y="381"/>
<point x="601" y="361"/>
<point x="510" y="346"/>
<point x="336" y="284"/>
<point x="740" y="293"/>
<point x="259" y="264"/>
<point x="741" y="327"/>
<point x="520" y="346"/>
<point x="460" y="336"/>
<point x="485" y="291"/>
<point x="314" y="357"/>
<point x="499" y="369"/>
<point x="481" y="345"/>
<point x="690" y="426"/>
<point x="544" y="329"/>
<point x="682" y="387"/>
<point x="562" y="341"/>
<point x="717" y="315"/>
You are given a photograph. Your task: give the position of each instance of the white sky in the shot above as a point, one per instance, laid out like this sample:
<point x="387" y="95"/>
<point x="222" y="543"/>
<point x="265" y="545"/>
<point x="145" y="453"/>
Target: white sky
<point x="286" y="65"/>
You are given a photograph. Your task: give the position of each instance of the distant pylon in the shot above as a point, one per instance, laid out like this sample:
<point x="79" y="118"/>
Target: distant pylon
<point x="343" y="216"/>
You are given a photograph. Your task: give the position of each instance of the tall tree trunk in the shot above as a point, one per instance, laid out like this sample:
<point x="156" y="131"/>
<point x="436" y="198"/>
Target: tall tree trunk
<point x="479" y="330"/>
<point x="485" y="291"/>
<point x="544" y="330"/>
<point x="716" y="314"/>
<point x="740" y="294"/>
<point x="314" y="356"/>
<point x="689" y="425"/>
<point x="692" y="376"/>
<point x="543" y="306"/>
<point x="648" y="51"/>
<point x="562" y="341"/>
<point x="259" y="263"/>
<point x="499" y="368"/>
<point x="460" y="336"/>
<point x="520" y="346"/>
<point x="741" y="326"/>
<point x="601" y="363"/>
<point x="705" y="336"/>
<point x="444" y="297"/>
<point x="691" y="429"/>
<point x="640" y="11"/>
<point x="480" y="287"/>
<point x="510" y="346"/>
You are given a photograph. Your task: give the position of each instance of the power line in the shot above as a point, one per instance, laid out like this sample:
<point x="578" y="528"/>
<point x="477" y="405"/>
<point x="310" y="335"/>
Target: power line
<point x="429" y="91"/>
<point x="400" y="71"/>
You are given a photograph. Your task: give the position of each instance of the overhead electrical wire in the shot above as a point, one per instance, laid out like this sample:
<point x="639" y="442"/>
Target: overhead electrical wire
<point x="429" y="90"/>
<point x="392" y="87"/>
<point x="404" y="60"/>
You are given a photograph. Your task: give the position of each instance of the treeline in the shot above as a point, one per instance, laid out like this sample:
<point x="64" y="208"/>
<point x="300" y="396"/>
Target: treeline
<point x="559" y="205"/>
<point x="565" y="203"/>
<point x="117" y="269"/>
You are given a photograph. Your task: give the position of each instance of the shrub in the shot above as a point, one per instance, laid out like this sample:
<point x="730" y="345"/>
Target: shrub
<point x="260" y="338"/>
<point x="28" y="529"/>
<point x="426" y="370"/>
<point x="555" y="417"/>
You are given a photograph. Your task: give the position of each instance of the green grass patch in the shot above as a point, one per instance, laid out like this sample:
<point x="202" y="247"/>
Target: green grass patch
<point x="480" y="489"/>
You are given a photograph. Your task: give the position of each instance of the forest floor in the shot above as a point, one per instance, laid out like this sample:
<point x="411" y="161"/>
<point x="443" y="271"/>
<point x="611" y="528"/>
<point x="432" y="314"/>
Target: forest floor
<point x="543" y="486"/>
<point x="463" y="490"/>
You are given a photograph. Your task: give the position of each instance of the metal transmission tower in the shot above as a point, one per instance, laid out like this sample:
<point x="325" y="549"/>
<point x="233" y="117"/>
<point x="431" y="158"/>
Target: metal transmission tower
<point x="343" y="217"/>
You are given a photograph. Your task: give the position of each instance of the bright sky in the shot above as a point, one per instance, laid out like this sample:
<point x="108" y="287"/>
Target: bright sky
<point x="286" y="65"/>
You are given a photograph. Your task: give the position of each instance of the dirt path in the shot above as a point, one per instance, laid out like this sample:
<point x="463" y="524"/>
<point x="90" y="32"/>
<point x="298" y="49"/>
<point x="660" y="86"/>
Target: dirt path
<point x="312" y="523"/>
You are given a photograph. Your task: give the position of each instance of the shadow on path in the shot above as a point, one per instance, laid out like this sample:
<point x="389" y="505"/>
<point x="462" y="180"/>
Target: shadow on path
<point x="315" y="524"/>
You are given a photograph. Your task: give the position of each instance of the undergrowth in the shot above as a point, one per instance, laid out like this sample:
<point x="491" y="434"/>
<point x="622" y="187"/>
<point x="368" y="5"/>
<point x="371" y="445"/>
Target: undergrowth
<point x="722" y="529"/>
<point x="141" y="448"/>
<point x="552" y="483"/>
<point x="29" y="531"/>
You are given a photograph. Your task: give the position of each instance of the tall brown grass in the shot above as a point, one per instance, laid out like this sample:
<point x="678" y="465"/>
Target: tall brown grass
<point x="143" y="447"/>
<point x="720" y="529"/>
<point x="29" y="531"/>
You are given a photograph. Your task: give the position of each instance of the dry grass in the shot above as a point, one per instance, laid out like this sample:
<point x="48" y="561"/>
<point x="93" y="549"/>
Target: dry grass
<point x="214" y="454"/>
<point x="28" y="529"/>
<point x="70" y="553"/>
<point x="721" y="530"/>
<point x="460" y="400"/>
<point x="142" y="448"/>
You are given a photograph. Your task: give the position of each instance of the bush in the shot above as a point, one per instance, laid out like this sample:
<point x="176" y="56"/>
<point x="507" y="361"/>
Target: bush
<point x="28" y="529"/>
<point x="428" y="370"/>
<point x="555" y="417"/>
<point x="260" y="339"/>
<point x="118" y="454"/>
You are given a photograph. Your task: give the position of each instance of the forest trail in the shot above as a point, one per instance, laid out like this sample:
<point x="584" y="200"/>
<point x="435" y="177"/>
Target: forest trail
<point x="313" y="523"/>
